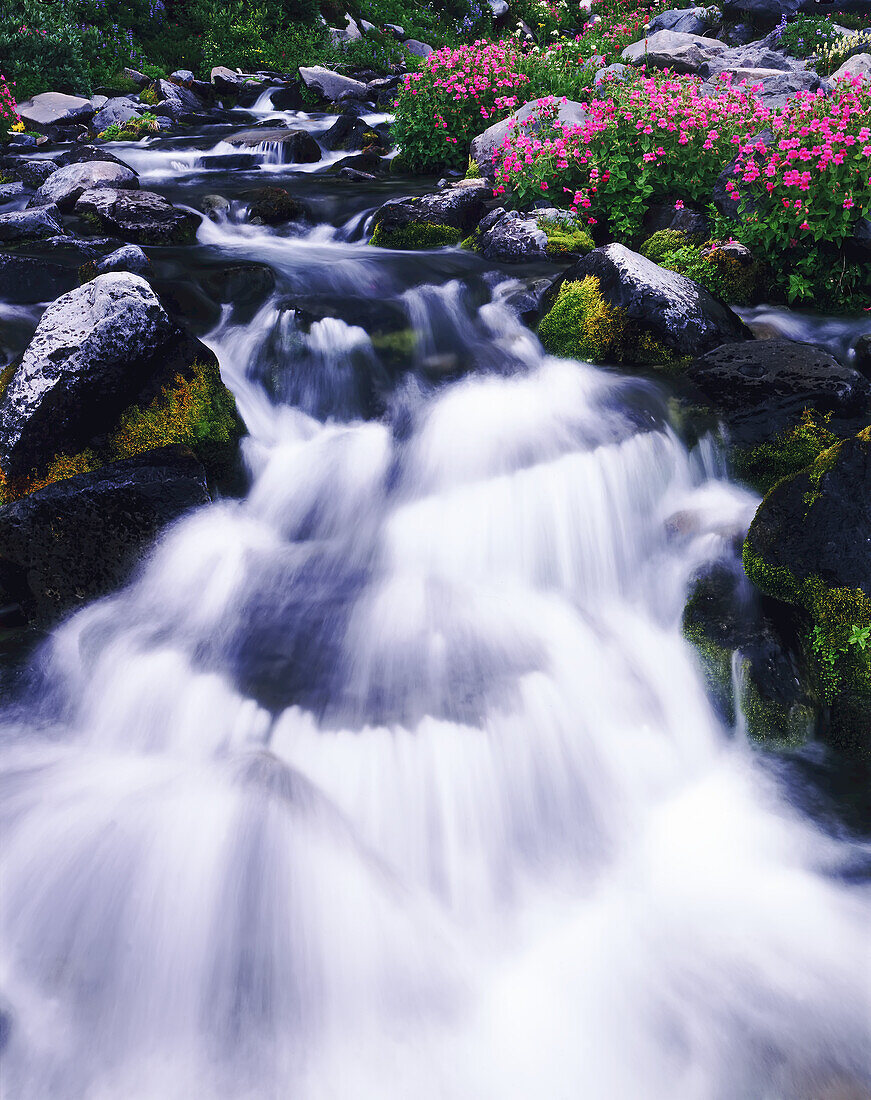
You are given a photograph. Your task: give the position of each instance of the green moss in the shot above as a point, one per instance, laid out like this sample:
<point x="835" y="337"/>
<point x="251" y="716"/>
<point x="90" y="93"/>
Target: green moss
<point x="472" y="243"/>
<point x="708" y="264"/>
<point x="150" y="96"/>
<point x="565" y="238"/>
<point x="776" y="725"/>
<point x="582" y="325"/>
<point x="823" y="463"/>
<point x="792" y="450"/>
<point x="6" y="377"/>
<point x="416" y="236"/>
<point x="395" y="348"/>
<point x="715" y="661"/>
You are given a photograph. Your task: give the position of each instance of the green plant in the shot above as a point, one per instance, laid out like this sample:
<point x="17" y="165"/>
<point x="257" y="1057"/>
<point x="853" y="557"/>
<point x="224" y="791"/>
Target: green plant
<point x="710" y="264"/>
<point x="131" y="130"/>
<point x="416" y="235"/>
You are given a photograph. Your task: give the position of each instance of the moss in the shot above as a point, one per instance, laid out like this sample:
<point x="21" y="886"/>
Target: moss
<point x="582" y="325"/>
<point x="395" y="348"/>
<point x="776" y="725"/>
<point x="792" y="450"/>
<point x="715" y="661"/>
<point x="194" y="409"/>
<point x="6" y="377"/>
<point x="150" y="96"/>
<point x="472" y="243"/>
<point x="416" y="236"/>
<point x="709" y="264"/>
<point x="565" y="238"/>
<point x="821" y="466"/>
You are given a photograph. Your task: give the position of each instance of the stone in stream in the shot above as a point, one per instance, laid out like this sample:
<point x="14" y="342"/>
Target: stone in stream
<point x="80" y="154"/>
<point x="809" y="546"/>
<point x="32" y="173"/>
<point x="682" y="53"/>
<point x="431" y="220"/>
<point x="115" y="113"/>
<point x="24" y="280"/>
<point x="29" y="225"/>
<point x="272" y="206"/>
<point x="330" y="85"/>
<point x="66" y="186"/>
<point x="82" y="537"/>
<point x="142" y="217"/>
<point x="615" y="305"/>
<point x="92" y="352"/>
<point x="54" y="109"/>
<point x="297" y="146"/>
<point x="128" y="257"/>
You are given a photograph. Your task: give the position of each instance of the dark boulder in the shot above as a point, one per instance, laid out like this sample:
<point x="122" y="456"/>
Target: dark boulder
<point x="142" y="217"/>
<point x="455" y="209"/>
<point x="81" y="538"/>
<point x="513" y="238"/>
<point x="761" y="387"/>
<point x="92" y="352"/>
<point x="29" y="225"/>
<point x="272" y="206"/>
<point x="32" y="173"/>
<point x="24" y="279"/>
<point x="348" y="133"/>
<point x="66" y="186"/>
<point x="296" y="146"/>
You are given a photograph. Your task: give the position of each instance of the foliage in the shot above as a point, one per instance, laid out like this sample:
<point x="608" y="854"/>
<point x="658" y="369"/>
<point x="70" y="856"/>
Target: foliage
<point x="565" y="237"/>
<point x="416" y="235"/>
<point x="792" y="450"/>
<point x="131" y="130"/>
<point x="708" y="264"/>
<point x="817" y="37"/>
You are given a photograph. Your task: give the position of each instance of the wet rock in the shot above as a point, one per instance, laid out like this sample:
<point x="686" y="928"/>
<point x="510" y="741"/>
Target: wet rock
<point x="231" y="162"/>
<point x="862" y="353"/>
<point x="177" y="102"/>
<point x="347" y="132"/>
<point x="456" y="210"/>
<point x="215" y="206"/>
<point x="142" y="217"/>
<point x="514" y="238"/>
<point x="90" y="355"/>
<point x="272" y="206"/>
<point x="12" y="192"/>
<point x="682" y="20"/>
<point x="239" y="283"/>
<point x="297" y="146"/>
<point x="289" y="98"/>
<point x="682" y="53"/>
<point x="330" y="85"/>
<point x="54" y="109"/>
<point x="525" y="119"/>
<point x="66" y="186"/>
<point x="80" y="154"/>
<point x="24" y="280"/>
<point x="71" y="250"/>
<point x="684" y="220"/>
<point x="115" y="113"/>
<point x="29" y="225"/>
<point x="32" y="173"/>
<point x="82" y="537"/>
<point x="678" y="312"/>
<point x="760" y="387"/>
<point x="128" y="257"/>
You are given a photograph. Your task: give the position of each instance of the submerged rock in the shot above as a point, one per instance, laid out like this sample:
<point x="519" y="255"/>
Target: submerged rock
<point x="24" y="279"/>
<point x="272" y="206"/>
<point x="81" y="538"/>
<point x="142" y="217"/>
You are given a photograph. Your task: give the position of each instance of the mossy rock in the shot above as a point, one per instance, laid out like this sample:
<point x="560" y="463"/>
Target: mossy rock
<point x="396" y="349"/>
<point x="565" y="239"/>
<point x="724" y="269"/>
<point x="415" y="236"/>
<point x="582" y="325"/>
<point x="787" y="453"/>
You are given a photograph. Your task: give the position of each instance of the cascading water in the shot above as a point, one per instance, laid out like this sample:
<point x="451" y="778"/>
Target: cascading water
<point x="396" y="778"/>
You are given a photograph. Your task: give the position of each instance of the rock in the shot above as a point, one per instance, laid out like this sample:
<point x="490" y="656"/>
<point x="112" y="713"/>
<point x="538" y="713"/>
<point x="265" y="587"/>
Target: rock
<point x="82" y="537"/>
<point x="12" y="192"/>
<point x="239" y="283"/>
<point x="347" y="132"/>
<point x="115" y="113"/>
<point x="289" y="98"/>
<point x="777" y="86"/>
<point x="176" y="102"/>
<point x="526" y="119"/>
<point x="226" y="79"/>
<point x="24" y="280"/>
<point x="66" y="186"/>
<point x="857" y="65"/>
<point x="98" y="101"/>
<point x="128" y="257"/>
<point x="142" y="217"/>
<point x="32" y="173"/>
<point x="678" y="313"/>
<point x="80" y="154"/>
<point x="498" y="8"/>
<point x="417" y="49"/>
<point x="183" y="77"/>
<point x="609" y="74"/>
<point x="681" y="20"/>
<point x="740" y="34"/>
<point x="231" y="162"/>
<point x="862" y="354"/>
<point x="683" y="219"/>
<point x="682" y="53"/>
<point x="329" y="85"/>
<point x="54" y="109"/>
<point x="394" y="29"/>
<point x="810" y="546"/>
<point x="760" y="387"/>
<point x="215" y="206"/>
<point x="28" y="225"/>
<point x="444" y="218"/>
<point x="137" y="78"/>
<point x="297" y="146"/>
<point x="513" y="238"/>
<point x="273" y="205"/>
<point x="71" y="250"/>
<point x="92" y="351"/>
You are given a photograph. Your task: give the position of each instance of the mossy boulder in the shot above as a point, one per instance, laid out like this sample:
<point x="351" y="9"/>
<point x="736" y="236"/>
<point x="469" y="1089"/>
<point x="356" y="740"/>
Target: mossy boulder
<point x="809" y="546"/>
<point x="726" y="269"/>
<point x="142" y="217"/>
<point x="786" y="453"/>
<point x="272" y="206"/>
<point x="651" y="315"/>
<point x="431" y="221"/>
<point x="415" y="236"/>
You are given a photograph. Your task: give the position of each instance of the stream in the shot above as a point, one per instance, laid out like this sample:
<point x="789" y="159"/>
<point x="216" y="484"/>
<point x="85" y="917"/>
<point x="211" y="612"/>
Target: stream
<point x="395" y="778"/>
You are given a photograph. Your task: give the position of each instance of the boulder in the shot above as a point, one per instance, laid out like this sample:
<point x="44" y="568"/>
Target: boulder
<point x="183" y="77"/>
<point x="528" y="119"/>
<point x="857" y="65"/>
<point x="682" y="20"/>
<point x="66" y="186"/>
<point x="137" y="78"/>
<point x="92" y="351"/>
<point x="79" y="154"/>
<point x="677" y="312"/>
<point x="609" y="74"/>
<point x="32" y="173"/>
<point x="81" y="538"/>
<point x="272" y="206"/>
<point x="13" y="192"/>
<point x="25" y="280"/>
<point x="513" y="238"/>
<point x="682" y="53"/>
<point x="330" y="85"/>
<point x="129" y="257"/>
<point x="176" y="102"/>
<point x="721" y="196"/>
<point x="115" y="113"/>
<point x="54" y="109"/>
<point x="347" y="132"/>
<point x="29" y="225"/>
<point x="760" y="387"/>
<point x="297" y="146"/>
<point x="142" y="217"/>
<point x="417" y="49"/>
<point x="443" y="218"/>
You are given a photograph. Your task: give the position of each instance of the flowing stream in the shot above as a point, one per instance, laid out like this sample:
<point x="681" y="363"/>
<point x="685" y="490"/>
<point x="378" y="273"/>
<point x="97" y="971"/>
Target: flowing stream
<point x="395" y="778"/>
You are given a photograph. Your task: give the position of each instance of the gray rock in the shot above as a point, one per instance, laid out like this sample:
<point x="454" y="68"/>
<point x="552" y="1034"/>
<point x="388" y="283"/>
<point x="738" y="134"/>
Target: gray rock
<point x="397" y="31"/>
<point x="417" y="49"/>
<point x="68" y="184"/>
<point x="128" y="257"/>
<point x="368" y="28"/>
<point x="721" y="196"/>
<point x="682" y="53"/>
<point x="115" y="113"/>
<point x="226" y="79"/>
<point x="88" y="358"/>
<point x="514" y="239"/>
<point x="32" y="173"/>
<point x="297" y="146"/>
<point x="460" y="208"/>
<point x="183" y="77"/>
<point x="78" y="154"/>
<point x="142" y="217"/>
<point x="857" y="65"/>
<point x="176" y="102"/>
<point x="54" y="109"/>
<point x="861" y="239"/>
<point x="29" y="225"/>
<point x="679" y="312"/>
<point x="138" y="78"/>
<point x="526" y="119"/>
<point x="99" y="101"/>
<point x="498" y="8"/>
<point x="682" y="20"/>
<point x="330" y="85"/>
<point x="10" y="192"/>
<point x="24" y="280"/>
<point x="347" y="132"/>
<point x="610" y="73"/>
<point x="215" y="206"/>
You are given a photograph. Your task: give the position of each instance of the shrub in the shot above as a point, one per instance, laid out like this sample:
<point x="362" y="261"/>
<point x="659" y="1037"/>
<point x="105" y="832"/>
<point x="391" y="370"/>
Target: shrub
<point x="454" y="96"/>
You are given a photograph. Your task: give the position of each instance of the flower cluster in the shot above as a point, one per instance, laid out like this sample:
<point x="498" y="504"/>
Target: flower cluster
<point x="9" y="116"/>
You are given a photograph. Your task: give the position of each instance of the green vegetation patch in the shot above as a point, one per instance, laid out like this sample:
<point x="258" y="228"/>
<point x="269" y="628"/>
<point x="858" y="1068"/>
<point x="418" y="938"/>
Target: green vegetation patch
<point x="415" y="236"/>
<point x="708" y="264"/>
<point x="792" y="450"/>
